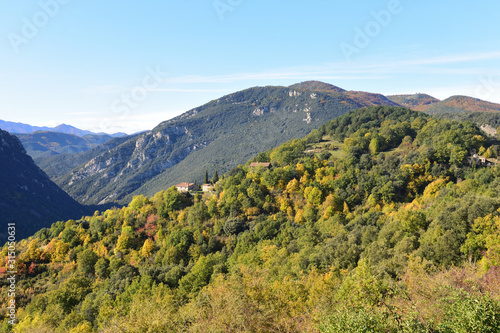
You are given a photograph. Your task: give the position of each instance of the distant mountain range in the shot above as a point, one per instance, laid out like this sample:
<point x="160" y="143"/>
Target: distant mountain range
<point x="462" y="108"/>
<point x="57" y="165"/>
<point x="454" y="104"/>
<point x="42" y="144"/>
<point x="417" y="102"/>
<point x="220" y="135"/>
<point x="216" y="136"/>
<point x="21" y="128"/>
<point x="28" y="197"/>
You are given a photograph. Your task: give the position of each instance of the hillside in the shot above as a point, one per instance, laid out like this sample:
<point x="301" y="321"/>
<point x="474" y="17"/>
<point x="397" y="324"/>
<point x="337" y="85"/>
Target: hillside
<point x="58" y="165"/>
<point x="44" y="144"/>
<point x="316" y="86"/>
<point x="216" y="136"/>
<point x="461" y="108"/>
<point x="417" y="102"/>
<point x="27" y="196"/>
<point x="491" y="119"/>
<point x="453" y="105"/>
<point x="374" y="222"/>
<point x="459" y="104"/>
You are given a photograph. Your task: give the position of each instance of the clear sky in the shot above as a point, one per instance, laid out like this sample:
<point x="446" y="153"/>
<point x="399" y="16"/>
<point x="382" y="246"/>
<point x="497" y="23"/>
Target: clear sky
<point x="122" y="65"/>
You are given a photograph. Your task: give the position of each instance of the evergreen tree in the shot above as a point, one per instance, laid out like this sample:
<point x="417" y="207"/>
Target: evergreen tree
<point x="215" y="178"/>
<point x="206" y="177"/>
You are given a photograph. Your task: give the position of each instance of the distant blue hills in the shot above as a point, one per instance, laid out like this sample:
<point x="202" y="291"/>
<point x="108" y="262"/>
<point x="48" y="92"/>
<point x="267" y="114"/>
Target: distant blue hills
<point x="20" y="128"/>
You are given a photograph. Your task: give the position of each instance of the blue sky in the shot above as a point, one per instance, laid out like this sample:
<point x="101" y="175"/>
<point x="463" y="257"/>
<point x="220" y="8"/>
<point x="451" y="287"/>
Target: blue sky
<point x="128" y="65"/>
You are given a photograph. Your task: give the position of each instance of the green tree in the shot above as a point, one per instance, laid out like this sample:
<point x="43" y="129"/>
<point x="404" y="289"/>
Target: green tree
<point x="201" y="273"/>
<point x="469" y="313"/>
<point x="101" y="268"/>
<point x="86" y="261"/>
<point x="32" y="253"/>
<point x="215" y="178"/>
<point x="313" y="195"/>
<point x="457" y="156"/>
<point x="412" y="221"/>
<point x="374" y="146"/>
<point x="72" y="292"/>
<point x="126" y="239"/>
<point x="170" y="201"/>
<point x="234" y="225"/>
<point x="138" y="202"/>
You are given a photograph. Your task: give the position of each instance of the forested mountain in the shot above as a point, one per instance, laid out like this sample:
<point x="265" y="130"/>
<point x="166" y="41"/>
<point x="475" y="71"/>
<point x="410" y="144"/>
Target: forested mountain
<point x="462" y="108"/>
<point x="27" y="196"/>
<point x="374" y="222"/>
<point x="459" y="104"/>
<point x="216" y="136"/>
<point x="418" y="102"/>
<point x="491" y="119"/>
<point x="451" y="105"/>
<point x="43" y="144"/>
<point x="58" y="165"/>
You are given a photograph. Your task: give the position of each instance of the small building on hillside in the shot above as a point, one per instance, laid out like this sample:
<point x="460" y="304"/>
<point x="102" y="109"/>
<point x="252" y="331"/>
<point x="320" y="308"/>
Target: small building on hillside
<point x="492" y="162"/>
<point x="260" y="165"/>
<point x="207" y="188"/>
<point x="477" y="159"/>
<point x="186" y="187"/>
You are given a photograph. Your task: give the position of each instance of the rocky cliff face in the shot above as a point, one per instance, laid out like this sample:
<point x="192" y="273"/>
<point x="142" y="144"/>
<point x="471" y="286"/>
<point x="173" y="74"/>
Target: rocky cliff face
<point x="115" y="172"/>
<point x="27" y="196"/>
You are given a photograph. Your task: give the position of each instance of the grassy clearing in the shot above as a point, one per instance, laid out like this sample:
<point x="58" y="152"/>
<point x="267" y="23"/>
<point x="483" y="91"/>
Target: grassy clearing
<point x="334" y="147"/>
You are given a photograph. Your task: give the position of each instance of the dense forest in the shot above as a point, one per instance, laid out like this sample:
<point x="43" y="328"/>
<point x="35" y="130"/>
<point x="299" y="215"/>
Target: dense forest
<point x="490" y="118"/>
<point x="375" y="222"/>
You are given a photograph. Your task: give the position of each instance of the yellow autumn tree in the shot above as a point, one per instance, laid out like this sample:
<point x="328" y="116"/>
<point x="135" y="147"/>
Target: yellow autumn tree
<point x="148" y="248"/>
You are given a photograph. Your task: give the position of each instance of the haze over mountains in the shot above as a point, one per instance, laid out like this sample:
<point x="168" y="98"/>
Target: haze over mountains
<point x="43" y="144"/>
<point x="218" y="136"/>
<point x="21" y="128"/>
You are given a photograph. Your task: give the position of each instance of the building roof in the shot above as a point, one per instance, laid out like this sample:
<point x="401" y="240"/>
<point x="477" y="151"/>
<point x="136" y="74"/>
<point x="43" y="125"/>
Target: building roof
<point x="184" y="185"/>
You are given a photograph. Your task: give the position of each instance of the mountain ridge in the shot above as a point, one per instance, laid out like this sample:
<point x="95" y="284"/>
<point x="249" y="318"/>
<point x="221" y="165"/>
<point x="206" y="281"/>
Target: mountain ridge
<point x="47" y="143"/>
<point x="216" y="136"/>
<point x="22" y="128"/>
<point x="28" y="197"/>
